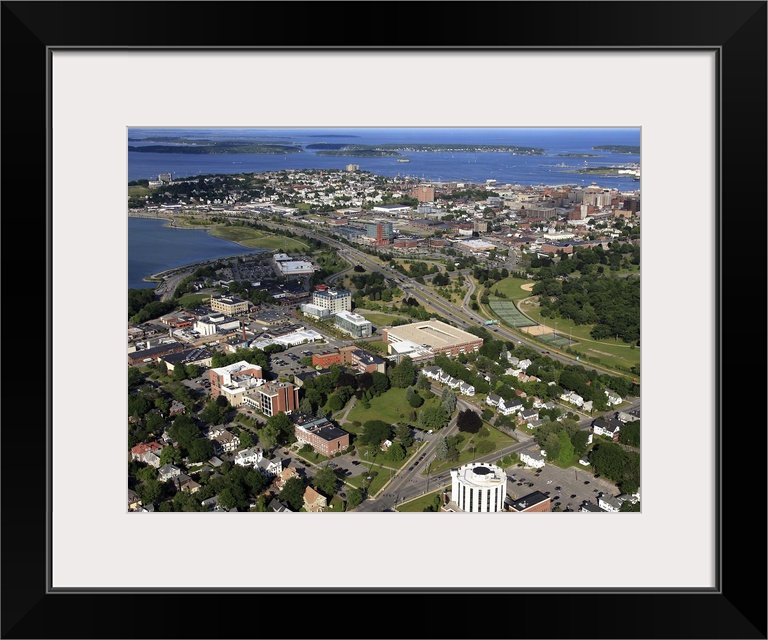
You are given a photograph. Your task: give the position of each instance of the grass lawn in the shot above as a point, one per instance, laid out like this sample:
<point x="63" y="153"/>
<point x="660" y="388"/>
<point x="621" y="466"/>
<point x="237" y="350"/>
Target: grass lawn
<point x="257" y="239"/>
<point x="313" y="457"/>
<point x="377" y="346"/>
<point x="511" y="287"/>
<point x="609" y="352"/>
<point x="377" y="482"/>
<point x="336" y="505"/>
<point x="138" y="191"/>
<point x="379" y="319"/>
<point x="193" y="298"/>
<point x="467" y="453"/>
<point x="419" y="504"/>
<point x="391" y="407"/>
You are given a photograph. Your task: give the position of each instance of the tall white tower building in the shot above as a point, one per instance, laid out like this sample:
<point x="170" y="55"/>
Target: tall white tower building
<point x="479" y="487"/>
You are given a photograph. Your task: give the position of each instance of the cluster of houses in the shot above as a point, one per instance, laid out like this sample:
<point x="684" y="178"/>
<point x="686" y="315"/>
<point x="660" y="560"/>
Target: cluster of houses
<point x="437" y="374"/>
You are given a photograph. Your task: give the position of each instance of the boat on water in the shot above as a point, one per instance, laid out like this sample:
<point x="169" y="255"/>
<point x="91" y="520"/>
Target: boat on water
<point x="403" y="159"/>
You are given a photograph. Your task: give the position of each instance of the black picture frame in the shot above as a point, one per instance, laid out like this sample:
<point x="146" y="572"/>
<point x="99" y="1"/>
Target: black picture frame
<point x="736" y="30"/>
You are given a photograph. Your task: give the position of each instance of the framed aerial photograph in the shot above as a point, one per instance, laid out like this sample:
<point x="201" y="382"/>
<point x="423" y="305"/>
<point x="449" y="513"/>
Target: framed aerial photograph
<point x="405" y="293"/>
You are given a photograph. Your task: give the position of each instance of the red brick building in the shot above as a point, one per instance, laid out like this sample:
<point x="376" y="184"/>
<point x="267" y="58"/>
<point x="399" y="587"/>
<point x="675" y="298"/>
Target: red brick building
<point x="326" y="359"/>
<point x="323" y="436"/>
<point x="533" y="502"/>
<point x="273" y="397"/>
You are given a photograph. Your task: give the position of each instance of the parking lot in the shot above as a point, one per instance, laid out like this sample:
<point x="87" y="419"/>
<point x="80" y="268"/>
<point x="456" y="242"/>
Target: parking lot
<point x="568" y="487"/>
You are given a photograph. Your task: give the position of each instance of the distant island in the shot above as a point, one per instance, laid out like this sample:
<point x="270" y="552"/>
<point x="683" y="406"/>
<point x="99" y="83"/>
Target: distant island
<point x="372" y="150"/>
<point x="618" y="148"/>
<point x="211" y="147"/>
<point x="603" y="171"/>
<point x="577" y="155"/>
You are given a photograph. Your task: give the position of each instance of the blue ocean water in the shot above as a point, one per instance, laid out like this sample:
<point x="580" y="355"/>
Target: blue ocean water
<point x="153" y="247"/>
<point x="549" y="169"/>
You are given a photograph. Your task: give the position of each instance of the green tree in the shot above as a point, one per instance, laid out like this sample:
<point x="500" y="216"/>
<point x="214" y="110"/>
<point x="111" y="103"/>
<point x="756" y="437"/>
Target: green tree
<point x="396" y="452"/>
<point x="179" y="372"/>
<point x="402" y="374"/>
<point x="246" y="439"/>
<point x="441" y="449"/>
<point x="630" y="434"/>
<point x="354" y="498"/>
<point x="448" y="400"/>
<point x="469" y="421"/>
<point x="212" y="413"/>
<point x="415" y="400"/>
<point x="282" y="426"/>
<point x="184" y="430"/>
<point x="135" y="377"/>
<point x="424" y="383"/>
<point x="155" y="422"/>
<point x="293" y="493"/>
<point x="380" y="382"/>
<point x="375" y="432"/>
<point x="305" y="406"/>
<point x="326" y="481"/>
<point x="403" y="434"/>
<point x="200" y="450"/>
<point x="170" y="455"/>
<point x="579" y="440"/>
<point x="335" y="403"/>
<point x="567" y="455"/>
<point x="150" y="491"/>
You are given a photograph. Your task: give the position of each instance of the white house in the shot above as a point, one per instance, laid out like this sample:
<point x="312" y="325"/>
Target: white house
<point x="609" y="429"/>
<point x="467" y="389"/>
<point x="167" y="472"/>
<point x="607" y="503"/>
<point x="248" y="457"/>
<point x="492" y="399"/>
<point x="270" y="468"/>
<point x="433" y="373"/>
<point x="524" y="364"/>
<point x="508" y="407"/>
<point x="573" y="398"/>
<point x="613" y="397"/>
<point x="532" y="458"/>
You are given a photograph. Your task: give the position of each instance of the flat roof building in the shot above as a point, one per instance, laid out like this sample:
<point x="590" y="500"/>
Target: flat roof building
<point x="334" y="300"/>
<point x="229" y="305"/>
<point x="435" y="335"/>
<point x="354" y="324"/>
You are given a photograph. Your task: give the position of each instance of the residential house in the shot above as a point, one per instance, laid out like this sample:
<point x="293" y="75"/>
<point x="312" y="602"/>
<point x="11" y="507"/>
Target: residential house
<point x="284" y="476"/>
<point x="147" y="452"/>
<point x="248" y="457"/>
<point x="184" y="483"/>
<point x="168" y="472"/>
<point x="270" y="468"/>
<point x="226" y="442"/>
<point x="176" y="408"/>
<point x="613" y="397"/>
<point x="313" y="501"/>
<point x="467" y="389"/>
<point x="513" y="360"/>
<point x="528" y="415"/>
<point x="212" y="504"/>
<point x="524" y="364"/>
<point x="608" y="503"/>
<point x="573" y="398"/>
<point x="492" y="400"/>
<point x="588" y="507"/>
<point x="604" y="427"/>
<point x="277" y="506"/>
<point x="433" y="373"/>
<point x="134" y="502"/>
<point x="532" y="457"/>
<point x="508" y="407"/>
